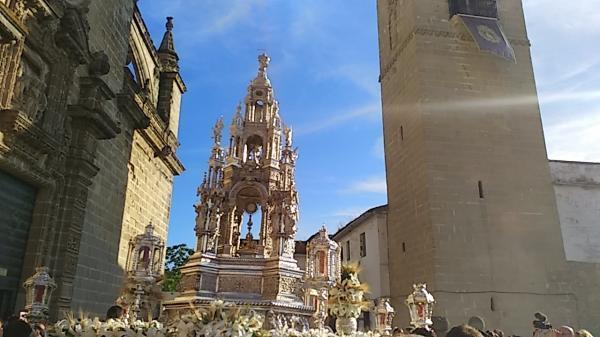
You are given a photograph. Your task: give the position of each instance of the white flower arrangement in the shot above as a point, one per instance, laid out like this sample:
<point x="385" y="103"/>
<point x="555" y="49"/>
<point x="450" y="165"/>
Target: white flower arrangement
<point x="88" y="327"/>
<point x="314" y="333"/>
<point x="222" y="319"/>
<point x="346" y="296"/>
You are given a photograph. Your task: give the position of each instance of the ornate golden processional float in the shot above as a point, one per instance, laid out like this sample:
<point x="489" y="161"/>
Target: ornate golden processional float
<point x="250" y="184"/>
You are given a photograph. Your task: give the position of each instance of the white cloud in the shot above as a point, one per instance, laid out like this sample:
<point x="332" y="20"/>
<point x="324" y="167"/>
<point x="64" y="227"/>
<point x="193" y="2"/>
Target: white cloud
<point x="577" y="140"/>
<point x="339" y="119"/>
<point x="197" y="20"/>
<point x="369" y="185"/>
<point x="237" y="13"/>
<point x="362" y="76"/>
<point x="379" y="148"/>
<point x="581" y="16"/>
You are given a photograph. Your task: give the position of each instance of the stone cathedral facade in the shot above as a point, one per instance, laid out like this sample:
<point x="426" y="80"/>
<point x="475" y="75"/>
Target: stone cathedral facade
<point x="248" y="212"/>
<point x="89" y="113"/>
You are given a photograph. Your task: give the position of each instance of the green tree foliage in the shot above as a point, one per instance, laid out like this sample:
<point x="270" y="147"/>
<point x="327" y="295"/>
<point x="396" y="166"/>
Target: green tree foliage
<point x="177" y="256"/>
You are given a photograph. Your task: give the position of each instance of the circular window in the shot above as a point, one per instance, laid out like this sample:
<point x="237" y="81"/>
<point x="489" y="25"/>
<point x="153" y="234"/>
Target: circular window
<point x="260" y="103"/>
<point x="258" y="93"/>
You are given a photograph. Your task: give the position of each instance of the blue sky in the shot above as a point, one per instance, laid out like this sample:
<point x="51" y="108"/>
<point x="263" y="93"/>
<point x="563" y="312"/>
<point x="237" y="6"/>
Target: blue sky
<point x="324" y="69"/>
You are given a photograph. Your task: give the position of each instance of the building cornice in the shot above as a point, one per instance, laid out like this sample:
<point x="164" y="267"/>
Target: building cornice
<point x="358" y="220"/>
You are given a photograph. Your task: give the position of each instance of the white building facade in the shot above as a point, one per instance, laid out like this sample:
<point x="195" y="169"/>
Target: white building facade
<point x="577" y="190"/>
<point x="364" y="241"/>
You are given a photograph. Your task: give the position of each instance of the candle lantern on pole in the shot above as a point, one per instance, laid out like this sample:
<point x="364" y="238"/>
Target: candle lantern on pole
<point x="38" y="290"/>
<point x="384" y="314"/>
<point x="420" y="306"/>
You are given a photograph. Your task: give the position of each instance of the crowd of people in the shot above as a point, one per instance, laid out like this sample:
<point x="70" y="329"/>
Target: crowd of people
<point x="18" y="326"/>
<point x="541" y="328"/>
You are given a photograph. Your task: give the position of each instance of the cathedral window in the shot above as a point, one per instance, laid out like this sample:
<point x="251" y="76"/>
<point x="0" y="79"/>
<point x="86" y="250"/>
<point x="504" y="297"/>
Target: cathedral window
<point x="485" y="8"/>
<point x="348" y="250"/>
<point x="480" y="188"/>
<point x="363" y="245"/>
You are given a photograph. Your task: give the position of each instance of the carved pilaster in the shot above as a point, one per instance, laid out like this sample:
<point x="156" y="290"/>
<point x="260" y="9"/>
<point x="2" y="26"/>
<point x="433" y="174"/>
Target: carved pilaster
<point x="12" y="37"/>
<point x="89" y="124"/>
<point x="80" y="171"/>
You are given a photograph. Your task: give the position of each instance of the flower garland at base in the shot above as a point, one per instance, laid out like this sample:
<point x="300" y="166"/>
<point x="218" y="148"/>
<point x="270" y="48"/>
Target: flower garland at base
<point x="220" y="319"/>
<point x="315" y="333"/>
<point x="87" y="327"/>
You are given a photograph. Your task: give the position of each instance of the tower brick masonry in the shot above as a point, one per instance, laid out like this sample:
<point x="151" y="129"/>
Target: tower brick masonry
<point x="469" y="189"/>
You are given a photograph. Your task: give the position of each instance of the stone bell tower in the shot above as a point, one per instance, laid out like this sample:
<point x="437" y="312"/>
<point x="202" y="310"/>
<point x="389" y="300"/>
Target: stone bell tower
<point x="248" y="212"/>
<point x="471" y="204"/>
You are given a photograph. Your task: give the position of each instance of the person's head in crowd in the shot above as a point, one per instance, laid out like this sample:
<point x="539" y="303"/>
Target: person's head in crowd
<point x="424" y="332"/>
<point x="23" y="315"/>
<point x="464" y="331"/>
<point x="583" y="333"/>
<point x="477" y="323"/>
<point x="398" y="332"/>
<point x="115" y="312"/>
<point x="440" y="325"/>
<point x="17" y="328"/>
<point x="565" y="331"/>
<point x="11" y="319"/>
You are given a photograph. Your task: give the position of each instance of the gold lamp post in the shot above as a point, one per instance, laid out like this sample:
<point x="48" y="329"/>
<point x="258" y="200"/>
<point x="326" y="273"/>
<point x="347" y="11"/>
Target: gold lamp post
<point x="38" y="290"/>
<point x="420" y="306"/>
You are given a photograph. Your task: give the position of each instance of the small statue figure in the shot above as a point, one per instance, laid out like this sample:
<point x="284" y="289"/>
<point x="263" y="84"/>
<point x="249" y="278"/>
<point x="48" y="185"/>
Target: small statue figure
<point x="217" y="131"/>
<point x="288" y="136"/>
<point x="263" y="60"/>
<point x="255" y="154"/>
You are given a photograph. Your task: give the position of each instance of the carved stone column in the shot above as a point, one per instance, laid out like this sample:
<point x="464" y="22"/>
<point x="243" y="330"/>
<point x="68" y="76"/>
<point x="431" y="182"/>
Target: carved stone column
<point x="12" y="37"/>
<point x="89" y="124"/>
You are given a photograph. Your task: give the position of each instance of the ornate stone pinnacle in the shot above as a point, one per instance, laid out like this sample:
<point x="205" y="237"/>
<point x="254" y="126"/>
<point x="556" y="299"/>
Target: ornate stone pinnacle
<point x="169" y="24"/>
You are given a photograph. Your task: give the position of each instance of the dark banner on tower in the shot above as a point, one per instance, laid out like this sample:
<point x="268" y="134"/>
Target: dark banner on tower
<point x="489" y="36"/>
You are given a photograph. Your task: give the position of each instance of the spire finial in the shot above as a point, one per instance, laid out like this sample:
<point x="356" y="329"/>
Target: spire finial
<point x="150" y="228"/>
<point x="169" y="24"/>
<point x="166" y="51"/>
<point x="263" y="61"/>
